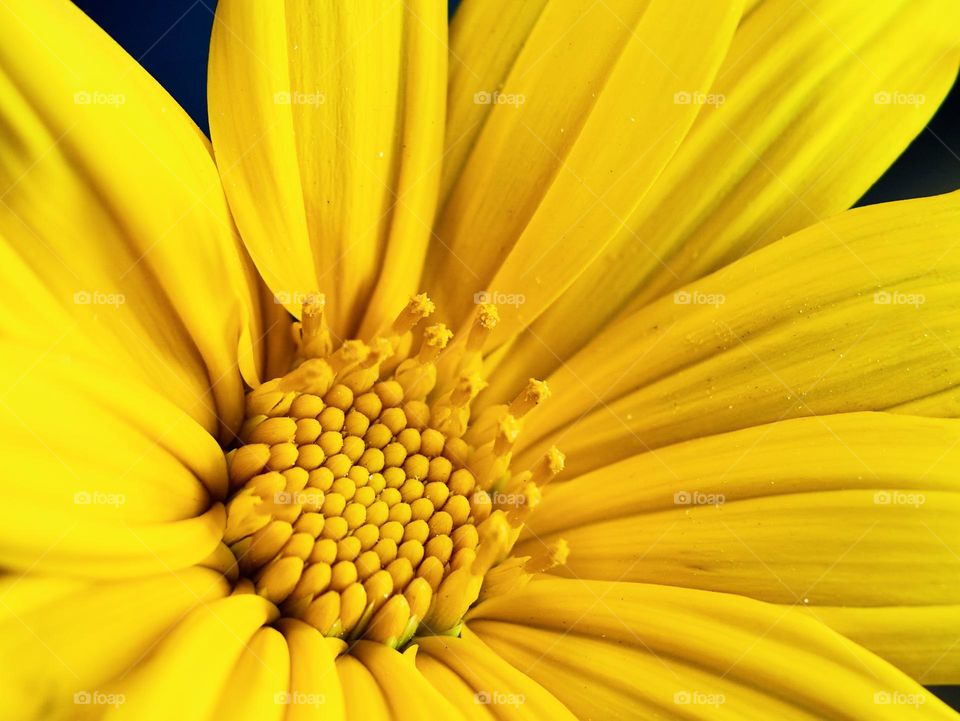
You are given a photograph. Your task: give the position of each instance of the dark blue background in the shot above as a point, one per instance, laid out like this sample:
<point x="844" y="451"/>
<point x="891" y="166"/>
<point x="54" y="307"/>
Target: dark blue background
<point x="170" y="39"/>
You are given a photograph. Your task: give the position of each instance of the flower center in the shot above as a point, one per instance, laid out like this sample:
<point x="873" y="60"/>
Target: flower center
<point x="362" y="500"/>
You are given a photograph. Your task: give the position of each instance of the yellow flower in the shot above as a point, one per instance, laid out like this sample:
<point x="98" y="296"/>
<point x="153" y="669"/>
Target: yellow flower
<point x="626" y="223"/>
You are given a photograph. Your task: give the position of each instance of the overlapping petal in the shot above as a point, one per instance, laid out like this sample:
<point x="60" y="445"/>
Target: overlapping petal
<point x="510" y="693"/>
<point x="182" y="677"/>
<point x="569" y="148"/>
<point x="853" y="514"/>
<point x="117" y="242"/>
<point x="61" y="649"/>
<point x="315" y="689"/>
<point x="856" y="313"/>
<point x="258" y="686"/>
<point x="629" y="650"/>
<point x="569" y="141"/>
<point x="813" y="102"/>
<point x="327" y="123"/>
<point x="409" y="695"/>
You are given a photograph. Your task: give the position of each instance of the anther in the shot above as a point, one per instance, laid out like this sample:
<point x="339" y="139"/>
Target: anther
<point x="533" y="394"/>
<point x="548" y="467"/>
<point x="419" y="307"/>
<point x="484" y="321"/>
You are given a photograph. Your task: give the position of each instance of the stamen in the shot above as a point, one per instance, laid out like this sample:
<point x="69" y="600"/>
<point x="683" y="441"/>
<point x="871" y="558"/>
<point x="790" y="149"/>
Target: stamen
<point x="312" y="376"/>
<point x="535" y="393"/>
<point x="465" y="357"/>
<point x="528" y="499"/>
<point x="491" y="461"/>
<point x="360" y="498"/>
<point x="348" y="355"/>
<point x="419" y="307"/>
<point x="484" y="322"/>
<point x="551" y="556"/>
<point x="451" y="413"/>
<point x="418" y="375"/>
<point x="484" y="428"/>
<point x="515" y="573"/>
<point x="435" y="339"/>
<point x="315" y="339"/>
<point x="548" y="467"/>
<point x="362" y="378"/>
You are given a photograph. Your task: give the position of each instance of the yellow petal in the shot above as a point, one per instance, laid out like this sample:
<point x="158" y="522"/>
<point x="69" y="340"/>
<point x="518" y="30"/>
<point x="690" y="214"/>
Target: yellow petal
<point x="409" y="695"/>
<point x="77" y="643"/>
<point x="20" y="594"/>
<point x="72" y="423"/>
<point x="421" y="163"/>
<point x="871" y="78"/>
<point x="852" y="510"/>
<point x="279" y="347"/>
<point x="102" y="471"/>
<point x="572" y="145"/>
<point x="327" y="122"/>
<point x="486" y="38"/>
<point x="919" y="640"/>
<point x="823" y="453"/>
<point x="625" y="650"/>
<point x="509" y="691"/>
<point x="361" y="693"/>
<point x="453" y="688"/>
<point x="113" y="218"/>
<point x="811" y="105"/>
<point x="54" y="541"/>
<point x="182" y="678"/>
<point x="771" y="512"/>
<point x="257" y="689"/>
<point x="857" y="313"/>
<point x="315" y="691"/>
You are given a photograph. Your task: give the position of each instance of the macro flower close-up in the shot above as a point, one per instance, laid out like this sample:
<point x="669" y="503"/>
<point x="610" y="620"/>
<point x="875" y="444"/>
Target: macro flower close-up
<point x="531" y="361"/>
